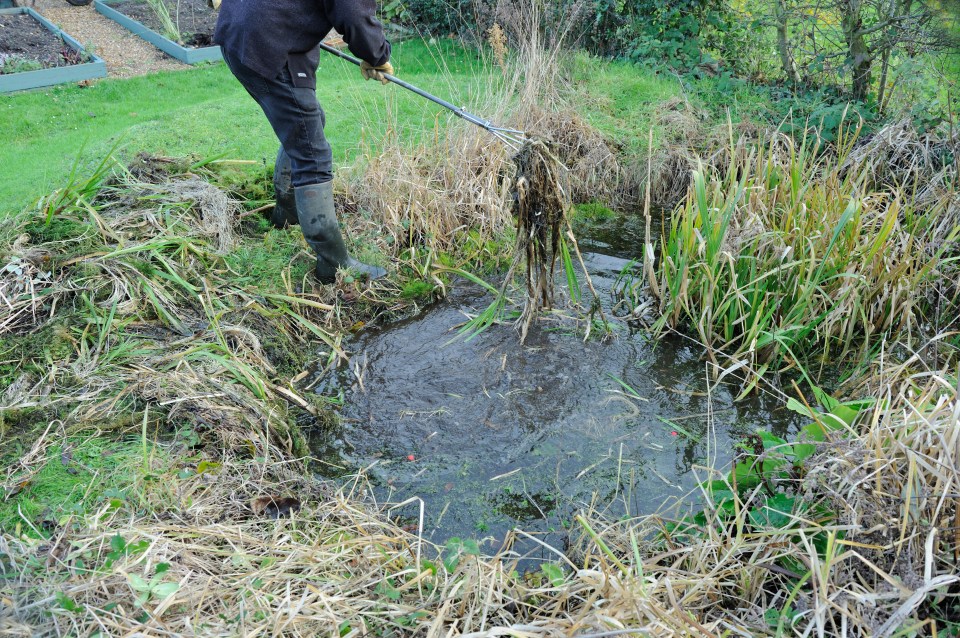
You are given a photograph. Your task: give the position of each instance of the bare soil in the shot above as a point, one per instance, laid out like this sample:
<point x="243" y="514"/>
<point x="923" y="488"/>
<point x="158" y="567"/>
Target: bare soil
<point x="23" y="41"/>
<point x="194" y="18"/>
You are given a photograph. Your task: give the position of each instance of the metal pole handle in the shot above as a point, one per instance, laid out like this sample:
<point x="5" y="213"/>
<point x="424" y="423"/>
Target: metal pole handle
<point x="459" y="111"/>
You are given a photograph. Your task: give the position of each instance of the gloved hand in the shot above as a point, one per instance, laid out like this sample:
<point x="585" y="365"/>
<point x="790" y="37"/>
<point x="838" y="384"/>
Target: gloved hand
<point x="213" y="4"/>
<point x="371" y="72"/>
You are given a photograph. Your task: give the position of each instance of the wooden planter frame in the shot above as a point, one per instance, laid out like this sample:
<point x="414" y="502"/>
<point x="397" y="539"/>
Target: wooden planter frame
<point x="188" y="55"/>
<point x="95" y="68"/>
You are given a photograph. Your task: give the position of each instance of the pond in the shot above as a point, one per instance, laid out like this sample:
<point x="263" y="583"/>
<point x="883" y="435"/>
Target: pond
<point x="492" y="434"/>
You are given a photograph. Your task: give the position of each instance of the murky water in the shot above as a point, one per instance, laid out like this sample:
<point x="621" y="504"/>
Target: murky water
<point x="492" y="434"/>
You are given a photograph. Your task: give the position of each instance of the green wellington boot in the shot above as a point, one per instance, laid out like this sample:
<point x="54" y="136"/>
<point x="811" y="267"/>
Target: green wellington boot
<point x="285" y="211"/>
<point x="318" y="220"/>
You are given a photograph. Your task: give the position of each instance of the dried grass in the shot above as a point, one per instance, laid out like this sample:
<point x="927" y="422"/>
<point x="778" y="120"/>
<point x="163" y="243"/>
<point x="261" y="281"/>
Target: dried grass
<point x="874" y="553"/>
<point x="898" y="155"/>
<point x="878" y="556"/>
<point x="28" y="294"/>
<point x="427" y="195"/>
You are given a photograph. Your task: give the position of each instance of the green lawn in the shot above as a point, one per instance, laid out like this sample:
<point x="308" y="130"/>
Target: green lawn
<point x="203" y="111"/>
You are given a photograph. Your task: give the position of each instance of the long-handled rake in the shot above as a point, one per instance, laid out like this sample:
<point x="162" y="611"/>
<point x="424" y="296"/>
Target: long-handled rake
<point x="541" y="201"/>
<point x="511" y="137"/>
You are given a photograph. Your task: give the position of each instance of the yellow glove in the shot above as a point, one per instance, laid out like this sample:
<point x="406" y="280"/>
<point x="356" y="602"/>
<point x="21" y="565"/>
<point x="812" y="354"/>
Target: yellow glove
<point x="213" y="4"/>
<point x="371" y="72"/>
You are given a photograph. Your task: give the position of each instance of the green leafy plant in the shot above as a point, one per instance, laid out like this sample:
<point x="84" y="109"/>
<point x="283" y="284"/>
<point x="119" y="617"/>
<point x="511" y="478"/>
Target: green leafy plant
<point x="120" y="548"/>
<point x="170" y="27"/>
<point x="154" y="588"/>
<point x="456" y="548"/>
<point x="12" y="63"/>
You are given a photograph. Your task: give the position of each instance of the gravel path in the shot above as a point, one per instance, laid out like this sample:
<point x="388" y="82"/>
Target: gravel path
<point x="126" y="55"/>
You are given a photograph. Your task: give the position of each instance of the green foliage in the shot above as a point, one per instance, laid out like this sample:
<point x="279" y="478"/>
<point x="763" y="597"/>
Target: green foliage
<point x="759" y="497"/>
<point x="654" y="32"/>
<point x="553" y="574"/>
<point x="17" y="64"/>
<point x="155" y="588"/>
<point x="440" y="17"/>
<point x="394" y="11"/>
<point x="456" y="549"/>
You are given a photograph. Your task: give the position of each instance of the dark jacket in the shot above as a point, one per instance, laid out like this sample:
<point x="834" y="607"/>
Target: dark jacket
<point x="264" y="34"/>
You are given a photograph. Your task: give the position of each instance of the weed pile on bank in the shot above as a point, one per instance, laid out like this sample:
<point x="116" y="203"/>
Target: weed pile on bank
<point x="138" y="290"/>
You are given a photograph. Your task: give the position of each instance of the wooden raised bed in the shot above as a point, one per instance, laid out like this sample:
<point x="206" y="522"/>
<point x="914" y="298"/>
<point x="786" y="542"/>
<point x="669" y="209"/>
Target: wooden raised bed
<point x="188" y="55"/>
<point x="94" y="67"/>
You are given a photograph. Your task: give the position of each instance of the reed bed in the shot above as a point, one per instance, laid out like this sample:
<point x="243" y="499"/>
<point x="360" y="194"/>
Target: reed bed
<point x="428" y="195"/>
<point x="791" y="254"/>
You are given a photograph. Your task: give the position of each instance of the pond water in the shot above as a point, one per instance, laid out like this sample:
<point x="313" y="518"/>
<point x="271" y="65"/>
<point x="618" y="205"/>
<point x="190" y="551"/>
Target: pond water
<point x="492" y="434"/>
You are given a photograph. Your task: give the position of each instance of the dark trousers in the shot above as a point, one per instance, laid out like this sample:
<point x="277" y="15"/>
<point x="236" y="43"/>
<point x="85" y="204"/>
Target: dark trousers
<point x="296" y="118"/>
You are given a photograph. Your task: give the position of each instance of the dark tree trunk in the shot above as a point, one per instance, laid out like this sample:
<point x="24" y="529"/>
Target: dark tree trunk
<point x="783" y="43"/>
<point x="858" y="52"/>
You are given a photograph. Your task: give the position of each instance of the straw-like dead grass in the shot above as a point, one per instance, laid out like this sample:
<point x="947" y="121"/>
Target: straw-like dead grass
<point x="427" y="195"/>
<point x="28" y="291"/>
<point x="898" y="155"/>
<point x="872" y="551"/>
<point x="430" y="196"/>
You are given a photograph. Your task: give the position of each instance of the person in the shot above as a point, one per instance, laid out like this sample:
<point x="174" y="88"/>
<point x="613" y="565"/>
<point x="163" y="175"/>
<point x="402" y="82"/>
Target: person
<point x="272" y="48"/>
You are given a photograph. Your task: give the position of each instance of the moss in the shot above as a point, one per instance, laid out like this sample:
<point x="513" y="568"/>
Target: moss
<point x="417" y="290"/>
<point x="260" y="262"/>
<point x="71" y="236"/>
<point x="594" y="212"/>
<point x="22" y="352"/>
<point x="77" y="477"/>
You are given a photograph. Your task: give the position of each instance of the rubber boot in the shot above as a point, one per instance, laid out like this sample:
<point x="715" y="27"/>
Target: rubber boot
<point x="318" y="220"/>
<point x="285" y="211"/>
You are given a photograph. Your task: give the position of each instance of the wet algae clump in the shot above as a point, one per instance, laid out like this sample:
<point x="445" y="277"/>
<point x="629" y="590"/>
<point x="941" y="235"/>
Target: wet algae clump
<point x="541" y="201"/>
<point x="540" y="205"/>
